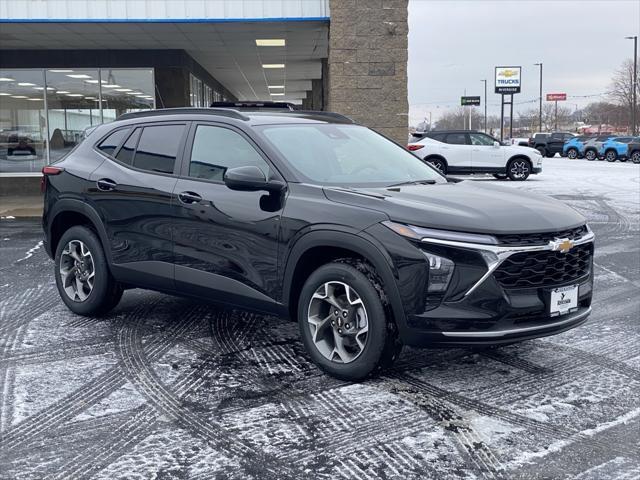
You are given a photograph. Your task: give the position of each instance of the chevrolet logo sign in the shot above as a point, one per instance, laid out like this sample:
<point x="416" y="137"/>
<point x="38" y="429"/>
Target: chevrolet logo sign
<point x="509" y="73"/>
<point x="562" y="245"/>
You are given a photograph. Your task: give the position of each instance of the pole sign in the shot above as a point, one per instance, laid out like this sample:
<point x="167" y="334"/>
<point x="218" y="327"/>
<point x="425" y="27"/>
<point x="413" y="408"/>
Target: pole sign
<point x="508" y="80"/>
<point x="556" y="97"/>
<point x="470" y="101"/>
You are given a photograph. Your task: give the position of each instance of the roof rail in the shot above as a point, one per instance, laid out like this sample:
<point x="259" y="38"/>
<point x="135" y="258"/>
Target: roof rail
<point x="322" y="113"/>
<point x="225" y="112"/>
<point x="254" y="105"/>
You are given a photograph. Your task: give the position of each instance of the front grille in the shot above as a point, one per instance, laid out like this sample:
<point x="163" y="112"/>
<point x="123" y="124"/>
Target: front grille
<point x="545" y="268"/>
<point x="540" y="238"/>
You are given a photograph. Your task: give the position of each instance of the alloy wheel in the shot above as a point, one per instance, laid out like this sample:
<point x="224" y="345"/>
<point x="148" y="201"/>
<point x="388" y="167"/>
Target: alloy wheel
<point x="519" y="169"/>
<point x="77" y="271"/>
<point x="590" y="155"/>
<point x="635" y="158"/>
<point x="338" y="322"/>
<point x="610" y="156"/>
<point x="438" y="165"/>
<point x="572" y="154"/>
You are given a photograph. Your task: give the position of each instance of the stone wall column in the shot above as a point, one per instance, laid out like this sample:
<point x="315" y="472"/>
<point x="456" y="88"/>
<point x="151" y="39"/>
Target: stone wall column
<point x="368" y="64"/>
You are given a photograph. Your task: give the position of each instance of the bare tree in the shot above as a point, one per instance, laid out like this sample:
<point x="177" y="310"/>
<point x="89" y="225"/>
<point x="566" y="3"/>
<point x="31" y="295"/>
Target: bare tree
<point x="458" y="119"/>
<point x="621" y="91"/>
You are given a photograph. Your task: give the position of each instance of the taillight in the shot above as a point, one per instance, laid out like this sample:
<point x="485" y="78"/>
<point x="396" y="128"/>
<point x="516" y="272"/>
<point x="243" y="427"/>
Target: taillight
<point x="413" y="148"/>
<point x="48" y="170"/>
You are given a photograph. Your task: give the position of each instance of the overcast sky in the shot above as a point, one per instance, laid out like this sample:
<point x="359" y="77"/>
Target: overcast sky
<point x="453" y="44"/>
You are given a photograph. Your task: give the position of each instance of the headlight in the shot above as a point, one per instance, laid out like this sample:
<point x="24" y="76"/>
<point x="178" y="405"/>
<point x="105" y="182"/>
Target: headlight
<point x="440" y="273"/>
<point x="420" y="233"/>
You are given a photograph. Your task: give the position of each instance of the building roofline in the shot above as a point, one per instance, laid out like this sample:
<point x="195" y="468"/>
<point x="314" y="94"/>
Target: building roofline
<point x="165" y="20"/>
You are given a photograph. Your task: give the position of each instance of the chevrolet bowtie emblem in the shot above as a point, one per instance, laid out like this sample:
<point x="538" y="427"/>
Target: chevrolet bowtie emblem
<point x="561" y="245"/>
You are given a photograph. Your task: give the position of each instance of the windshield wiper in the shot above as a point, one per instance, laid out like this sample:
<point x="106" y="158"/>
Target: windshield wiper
<point x="414" y="182"/>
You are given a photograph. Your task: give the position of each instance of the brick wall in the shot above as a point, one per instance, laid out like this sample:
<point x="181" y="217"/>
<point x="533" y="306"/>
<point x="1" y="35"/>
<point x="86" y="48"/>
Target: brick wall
<point x="368" y="64"/>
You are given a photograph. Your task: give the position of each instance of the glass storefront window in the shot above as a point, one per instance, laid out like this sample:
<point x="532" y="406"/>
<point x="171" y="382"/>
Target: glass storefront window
<point x="23" y="131"/>
<point x="126" y="90"/>
<point x="71" y="105"/>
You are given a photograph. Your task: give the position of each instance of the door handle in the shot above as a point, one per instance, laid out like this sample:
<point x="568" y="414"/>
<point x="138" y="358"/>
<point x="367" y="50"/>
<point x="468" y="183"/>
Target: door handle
<point x="106" y="184"/>
<point x="189" y="197"/>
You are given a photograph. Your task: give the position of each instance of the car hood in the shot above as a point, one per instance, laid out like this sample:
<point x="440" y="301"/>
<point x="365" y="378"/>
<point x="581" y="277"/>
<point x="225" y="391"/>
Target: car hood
<point x="518" y="149"/>
<point x="467" y="206"/>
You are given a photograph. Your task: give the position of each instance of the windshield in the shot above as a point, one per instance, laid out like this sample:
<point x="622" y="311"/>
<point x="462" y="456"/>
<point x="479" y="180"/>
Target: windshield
<point x="330" y="154"/>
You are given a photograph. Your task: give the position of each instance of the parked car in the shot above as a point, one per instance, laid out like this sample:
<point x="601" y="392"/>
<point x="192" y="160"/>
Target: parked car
<point x="550" y="144"/>
<point x="308" y="215"/>
<point x="634" y="150"/>
<point x="475" y="152"/>
<point x="521" y="142"/>
<point x="573" y="147"/>
<point x="616" y="148"/>
<point x="591" y="147"/>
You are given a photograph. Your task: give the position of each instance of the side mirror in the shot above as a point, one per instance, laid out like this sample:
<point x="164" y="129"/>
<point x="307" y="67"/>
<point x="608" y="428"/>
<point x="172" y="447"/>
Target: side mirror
<point x="496" y="144"/>
<point x="250" y="179"/>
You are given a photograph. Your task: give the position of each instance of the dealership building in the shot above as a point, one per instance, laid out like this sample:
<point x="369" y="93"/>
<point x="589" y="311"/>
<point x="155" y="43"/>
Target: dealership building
<point x="66" y="65"/>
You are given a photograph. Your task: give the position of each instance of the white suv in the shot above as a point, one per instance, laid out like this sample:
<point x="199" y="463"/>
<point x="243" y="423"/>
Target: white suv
<point x="463" y="151"/>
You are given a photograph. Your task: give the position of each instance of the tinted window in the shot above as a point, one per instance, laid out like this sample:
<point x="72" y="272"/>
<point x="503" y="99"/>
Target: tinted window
<point x="623" y="139"/>
<point x="480" y="139"/>
<point x="109" y="144"/>
<point x="125" y="155"/>
<point x="158" y="148"/>
<point x="215" y="149"/>
<point x="437" y="136"/>
<point x="457" y="138"/>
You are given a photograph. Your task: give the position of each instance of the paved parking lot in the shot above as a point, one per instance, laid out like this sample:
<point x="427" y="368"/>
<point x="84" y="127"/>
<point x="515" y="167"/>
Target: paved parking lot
<point x="167" y="388"/>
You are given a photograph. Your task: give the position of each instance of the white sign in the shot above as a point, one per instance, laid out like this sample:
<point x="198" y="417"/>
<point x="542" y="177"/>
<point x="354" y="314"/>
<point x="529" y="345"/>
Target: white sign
<point x="508" y="79"/>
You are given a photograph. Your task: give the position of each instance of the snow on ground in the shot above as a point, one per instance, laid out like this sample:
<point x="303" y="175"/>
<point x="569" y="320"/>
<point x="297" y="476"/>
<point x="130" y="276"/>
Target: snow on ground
<point x="167" y="388"/>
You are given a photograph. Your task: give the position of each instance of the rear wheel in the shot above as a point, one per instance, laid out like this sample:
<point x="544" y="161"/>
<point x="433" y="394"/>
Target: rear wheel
<point x="635" y="156"/>
<point x="82" y="274"/>
<point x="590" y="155"/>
<point x="519" y="169"/>
<point x="611" y="155"/>
<point x="439" y="165"/>
<point x="343" y="322"/>
<point x="542" y="150"/>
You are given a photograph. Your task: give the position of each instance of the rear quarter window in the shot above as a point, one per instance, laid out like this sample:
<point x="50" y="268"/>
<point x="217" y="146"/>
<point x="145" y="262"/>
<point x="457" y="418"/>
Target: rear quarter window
<point x="110" y="144"/>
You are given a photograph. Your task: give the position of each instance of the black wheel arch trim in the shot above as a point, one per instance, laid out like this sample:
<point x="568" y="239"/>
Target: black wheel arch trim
<point x="64" y="205"/>
<point x="359" y="242"/>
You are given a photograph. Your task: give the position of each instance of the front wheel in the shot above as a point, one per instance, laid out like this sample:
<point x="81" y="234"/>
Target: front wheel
<point x="519" y="169"/>
<point x="572" y="153"/>
<point x="611" y="156"/>
<point x="343" y="322"/>
<point x="635" y="156"/>
<point x="82" y="275"/>
<point x="590" y="155"/>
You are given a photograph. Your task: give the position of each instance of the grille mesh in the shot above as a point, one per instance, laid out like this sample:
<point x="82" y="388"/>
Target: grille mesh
<point x="545" y="268"/>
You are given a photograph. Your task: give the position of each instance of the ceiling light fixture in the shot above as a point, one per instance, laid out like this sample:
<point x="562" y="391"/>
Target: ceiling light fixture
<point x="18" y="96"/>
<point x="26" y="84"/>
<point x="74" y="95"/>
<point x="273" y="65"/>
<point x="96" y="81"/>
<point x="275" y="86"/>
<point x="62" y="92"/>
<point x="61" y="71"/>
<point x="79" y="75"/>
<point x="35" y="99"/>
<point x="3" y="94"/>
<point x="277" y="94"/>
<point x="42" y="88"/>
<point x="113" y="85"/>
<point x="270" y="42"/>
<point x="134" y="93"/>
<point x="123" y="90"/>
<point x="6" y="79"/>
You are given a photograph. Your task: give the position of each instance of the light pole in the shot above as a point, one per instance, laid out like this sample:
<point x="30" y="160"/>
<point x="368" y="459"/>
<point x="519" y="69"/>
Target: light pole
<point x="634" y="87"/>
<point x="485" y="105"/>
<point x="540" y="113"/>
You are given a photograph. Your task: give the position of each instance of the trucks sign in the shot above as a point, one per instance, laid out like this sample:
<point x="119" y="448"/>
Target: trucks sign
<point x="508" y="79"/>
<point x="470" y="101"/>
<point x="556" y="97"/>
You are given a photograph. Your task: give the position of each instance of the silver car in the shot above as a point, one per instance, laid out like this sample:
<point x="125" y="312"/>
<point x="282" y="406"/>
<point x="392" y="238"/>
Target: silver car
<point x="592" y="146"/>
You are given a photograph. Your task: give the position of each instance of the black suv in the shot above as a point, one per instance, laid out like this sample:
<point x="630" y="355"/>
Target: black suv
<point x="307" y="215"/>
<point x="548" y="144"/>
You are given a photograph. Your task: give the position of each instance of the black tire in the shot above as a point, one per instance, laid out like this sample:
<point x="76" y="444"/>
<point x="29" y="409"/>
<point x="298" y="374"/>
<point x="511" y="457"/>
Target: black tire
<point x="381" y="346"/>
<point x="610" y="155"/>
<point x="591" y="155"/>
<point x="542" y="150"/>
<point x="635" y="156"/>
<point x="106" y="292"/>
<point x="439" y="164"/>
<point x="572" y="154"/>
<point x="550" y="155"/>
<point x="500" y="176"/>
<point x="519" y="169"/>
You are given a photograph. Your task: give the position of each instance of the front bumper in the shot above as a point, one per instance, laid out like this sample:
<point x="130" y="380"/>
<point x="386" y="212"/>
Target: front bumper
<point x="481" y="305"/>
<point x="536" y="170"/>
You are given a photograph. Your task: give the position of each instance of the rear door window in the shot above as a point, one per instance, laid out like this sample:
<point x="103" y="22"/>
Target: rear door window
<point x="158" y="148"/>
<point x="457" y="138"/>
<point x="125" y="155"/>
